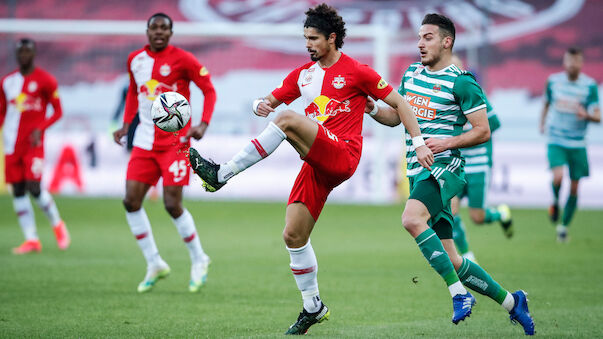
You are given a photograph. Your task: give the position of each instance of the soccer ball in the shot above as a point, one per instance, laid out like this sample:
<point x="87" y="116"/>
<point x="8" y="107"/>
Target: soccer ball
<point x="170" y="111"/>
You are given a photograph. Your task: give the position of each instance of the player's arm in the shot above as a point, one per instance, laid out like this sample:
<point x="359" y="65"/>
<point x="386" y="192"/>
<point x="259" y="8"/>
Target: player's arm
<point x="286" y="93"/>
<point x="409" y="120"/>
<point x="592" y="106"/>
<point x="130" y="110"/>
<point x="2" y="106"/>
<point x="201" y="77"/>
<point x="383" y="115"/>
<point x="262" y="107"/>
<point x="545" y="109"/>
<point x="478" y="134"/>
<point x="471" y="100"/>
<point x="55" y="102"/>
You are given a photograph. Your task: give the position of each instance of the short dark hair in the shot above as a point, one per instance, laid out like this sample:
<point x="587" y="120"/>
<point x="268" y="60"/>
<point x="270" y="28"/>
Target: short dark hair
<point x="160" y="15"/>
<point x="326" y="20"/>
<point x="444" y="23"/>
<point x="26" y="42"/>
<point x="574" y="50"/>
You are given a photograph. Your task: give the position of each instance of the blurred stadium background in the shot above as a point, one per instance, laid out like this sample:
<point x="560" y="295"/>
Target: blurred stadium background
<point x="249" y="47"/>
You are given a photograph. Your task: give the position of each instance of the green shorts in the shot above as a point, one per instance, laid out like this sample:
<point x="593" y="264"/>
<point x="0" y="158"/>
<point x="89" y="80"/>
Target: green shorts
<point x="575" y="158"/>
<point x="435" y="194"/>
<point x="476" y="189"/>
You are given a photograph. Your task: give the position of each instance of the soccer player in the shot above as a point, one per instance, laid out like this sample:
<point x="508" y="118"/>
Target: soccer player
<point x="572" y="100"/>
<point x="327" y="136"/>
<point x="444" y="98"/>
<point x="478" y="166"/>
<point x="154" y="69"/>
<point x="24" y="95"/>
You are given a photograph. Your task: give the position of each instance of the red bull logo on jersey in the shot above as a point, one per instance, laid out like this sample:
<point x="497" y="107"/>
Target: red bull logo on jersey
<point x="420" y="106"/>
<point x="152" y="88"/>
<point x="338" y="82"/>
<point x="24" y="102"/>
<point x="323" y="107"/>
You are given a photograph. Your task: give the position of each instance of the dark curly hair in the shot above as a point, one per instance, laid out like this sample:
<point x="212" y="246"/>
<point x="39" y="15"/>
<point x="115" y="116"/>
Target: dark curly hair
<point x="326" y="20"/>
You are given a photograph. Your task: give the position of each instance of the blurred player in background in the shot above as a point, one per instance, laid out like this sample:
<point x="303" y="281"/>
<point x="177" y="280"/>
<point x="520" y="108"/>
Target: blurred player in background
<point x="478" y="168"/>
<point x="154" y="69"/>
<point x="24" y="96"/>
<point x="327" y="137"/>
<point x="572" y="99"/>
<point x="444" y="98"/>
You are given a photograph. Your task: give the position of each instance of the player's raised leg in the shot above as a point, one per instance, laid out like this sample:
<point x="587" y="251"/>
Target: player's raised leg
<point x="183" y="220"/>
<point x="414" y="219"/>
<point x="304" y="266"/>
<point x="47" y="205"/>
<point x="477" y="279"/>
<point x="25" y="215"/>
<point x="297" y="129"/>
<point x="141" y="228"/>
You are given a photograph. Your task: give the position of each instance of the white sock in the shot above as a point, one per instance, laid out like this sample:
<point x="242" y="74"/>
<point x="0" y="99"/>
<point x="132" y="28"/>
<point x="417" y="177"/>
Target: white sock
<point x="141" y="228"/>
<point x="256" y="150"/>
<point x="509" y="302"/>
<point x="46" y="204"/>
<point x="304" y="267"/>
<point x="457" y="288"/>
<point x="25" y="216"/>
<point x="186" y="228"/>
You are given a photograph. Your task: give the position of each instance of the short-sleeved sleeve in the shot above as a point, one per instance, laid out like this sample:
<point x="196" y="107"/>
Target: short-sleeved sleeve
<point x="593" y="96"/>
<point x="548" y="93"/>
<point x="288" y="90"/>
<point x="401" y="88"/>
<point x="372" y="83"/>
<point x="468" y="94"/>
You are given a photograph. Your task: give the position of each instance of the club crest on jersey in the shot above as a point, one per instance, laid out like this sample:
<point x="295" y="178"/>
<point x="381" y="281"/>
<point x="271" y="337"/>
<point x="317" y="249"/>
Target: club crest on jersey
<point x="436" y="88"/>
<point x="32" y="87"/>
<point x="338" y="82"/>
<point x="165" y="70"/>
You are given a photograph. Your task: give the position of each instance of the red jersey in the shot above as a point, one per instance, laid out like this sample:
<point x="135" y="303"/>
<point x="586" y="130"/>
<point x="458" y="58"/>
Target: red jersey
<point x="170" y="70"/>
<point x="335" y="97"/>
<point x="23" y="102"/>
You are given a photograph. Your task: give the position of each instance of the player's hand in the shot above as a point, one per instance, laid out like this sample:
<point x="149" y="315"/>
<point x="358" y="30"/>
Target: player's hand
<point x="581" y="113"/>
<point x="196" y="132"/>
<point x="370" y="105"/>
<point x="424" y="156"/>
<point x="264" y="109"/>
<point x="119" y="134"/>
<point x="35" y="137"/>
<point x="437" y="145"/>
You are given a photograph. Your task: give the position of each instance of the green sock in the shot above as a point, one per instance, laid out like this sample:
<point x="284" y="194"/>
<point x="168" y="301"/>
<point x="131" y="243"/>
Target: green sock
<point x="556" y="193"/>
<point x="474" y="277"/>
<point x="570" y="208"/>
<point x="459" y="236"/>
<point x="433" y="250"/>
<point x="492" y="214"/>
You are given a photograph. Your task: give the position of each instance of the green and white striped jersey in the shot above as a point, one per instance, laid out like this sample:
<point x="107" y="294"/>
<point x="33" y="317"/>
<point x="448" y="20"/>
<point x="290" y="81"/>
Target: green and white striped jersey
<point x="440" y="101"/>
<point x="478" y="158"/>
<point x="564" y="98"/>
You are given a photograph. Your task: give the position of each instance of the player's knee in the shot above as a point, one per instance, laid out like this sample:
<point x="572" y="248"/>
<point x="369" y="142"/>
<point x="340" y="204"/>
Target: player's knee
<point x="286" y="120"/>
<point x="18" y="189"/>
<point x="34" y="190"/>
<point x="411" y="222"/>
<point x="455" y="259"/>
<point x="131" y="205"/>
<point x="173" y="208"/>
<point x="478" y="217"/>
<point x="293" y="239"/>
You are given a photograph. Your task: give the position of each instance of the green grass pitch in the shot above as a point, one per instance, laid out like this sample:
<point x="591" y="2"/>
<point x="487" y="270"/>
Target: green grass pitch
<point x="367" y="264"/>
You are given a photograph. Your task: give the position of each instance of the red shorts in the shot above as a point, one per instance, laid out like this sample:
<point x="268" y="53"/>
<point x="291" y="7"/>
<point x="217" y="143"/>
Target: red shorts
<point x="148" y="166"/>
<point x="329" y="162"/>
<point x="24" y="166"/>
